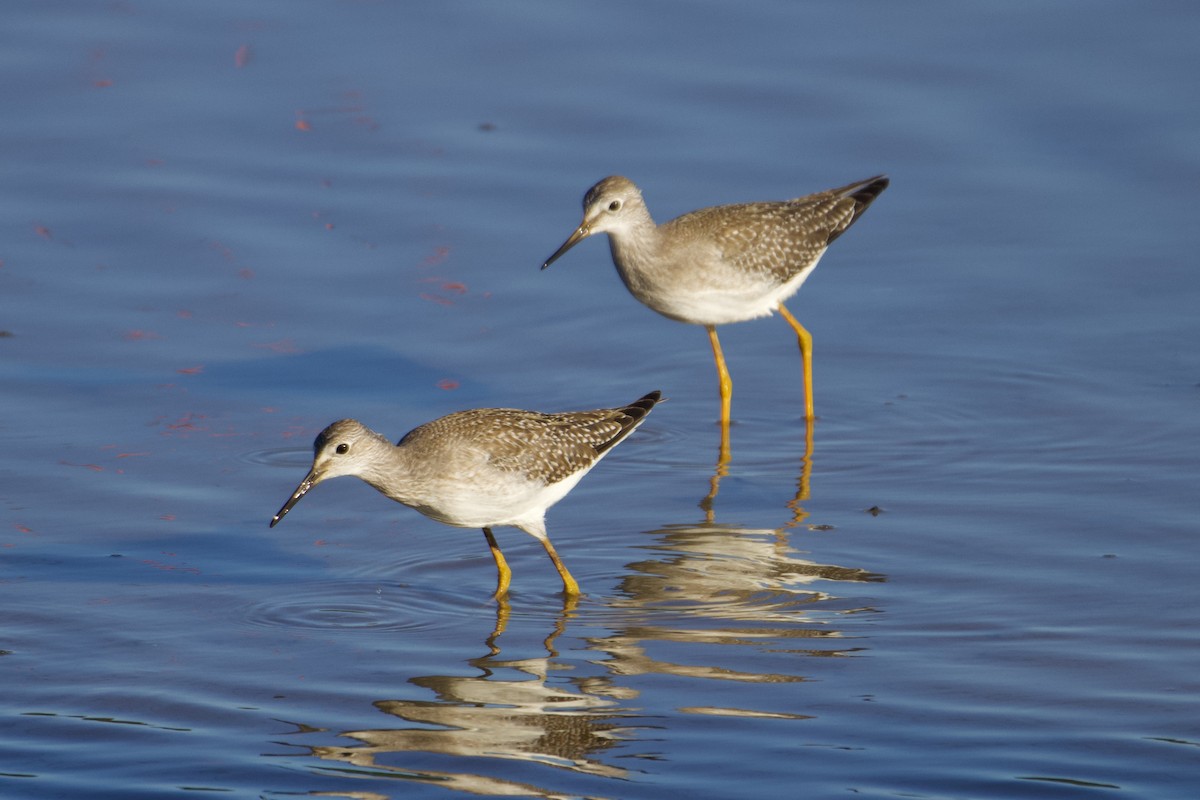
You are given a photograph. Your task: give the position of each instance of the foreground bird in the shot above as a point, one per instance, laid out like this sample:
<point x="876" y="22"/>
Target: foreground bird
<point x="479" y="468"/>
<point x="725" y="263"/>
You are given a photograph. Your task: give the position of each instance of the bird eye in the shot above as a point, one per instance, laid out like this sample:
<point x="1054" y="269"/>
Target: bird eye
<point x="615" y="205"/>
<point x="343" y="448"/>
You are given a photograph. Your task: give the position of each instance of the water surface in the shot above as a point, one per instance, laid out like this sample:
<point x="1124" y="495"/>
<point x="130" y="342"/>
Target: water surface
<point x="225" y="227"/>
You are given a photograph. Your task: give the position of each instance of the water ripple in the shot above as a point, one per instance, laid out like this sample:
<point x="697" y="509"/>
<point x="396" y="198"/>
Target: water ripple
<point x="279" y="457"/>
<point x="354" y="606"/>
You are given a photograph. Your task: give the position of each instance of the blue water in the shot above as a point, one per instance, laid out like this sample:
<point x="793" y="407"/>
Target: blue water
<point x="226" y="225"/>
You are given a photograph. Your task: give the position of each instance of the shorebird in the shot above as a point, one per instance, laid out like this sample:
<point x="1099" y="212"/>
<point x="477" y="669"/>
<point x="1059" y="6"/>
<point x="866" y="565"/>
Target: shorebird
<point x="724" y="263"/>
<point x="479" y="468"/>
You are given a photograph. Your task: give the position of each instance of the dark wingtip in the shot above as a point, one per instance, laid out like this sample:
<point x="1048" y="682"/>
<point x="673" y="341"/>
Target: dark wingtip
<point x="634" y="413"/>
<point x="866" y="191"/>
<point x="643" y="405"/>
<point x="863" y="194"/>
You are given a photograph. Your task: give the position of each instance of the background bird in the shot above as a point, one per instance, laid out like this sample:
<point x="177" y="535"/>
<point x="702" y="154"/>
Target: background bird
<point x="724" y="263"/>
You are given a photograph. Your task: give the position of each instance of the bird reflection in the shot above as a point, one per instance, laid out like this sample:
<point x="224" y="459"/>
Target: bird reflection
<point x="507" y="711"/>
<point x="721" y="584"/>
<point x="748" y="580"/>
<point x="504" y="611"/>
<point x="728" y="565"/>
<point x="803" y="482"/>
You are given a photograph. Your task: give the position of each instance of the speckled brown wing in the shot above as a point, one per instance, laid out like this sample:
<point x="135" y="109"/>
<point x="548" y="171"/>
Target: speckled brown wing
<point x="547" y="447"/>
<point x="783" y="238"/>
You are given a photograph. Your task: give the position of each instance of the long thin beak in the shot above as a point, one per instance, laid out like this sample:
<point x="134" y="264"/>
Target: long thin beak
<point x="310" y="480"/>
<point x="581" y="233"/>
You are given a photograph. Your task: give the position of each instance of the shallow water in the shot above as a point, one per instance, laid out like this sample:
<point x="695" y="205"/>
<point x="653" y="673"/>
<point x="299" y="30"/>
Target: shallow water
<point x="224" y="229"/>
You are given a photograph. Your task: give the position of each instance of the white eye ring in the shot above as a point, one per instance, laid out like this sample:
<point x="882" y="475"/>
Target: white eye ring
<point x="342" y="449"/>
<point x="615" y="205"/>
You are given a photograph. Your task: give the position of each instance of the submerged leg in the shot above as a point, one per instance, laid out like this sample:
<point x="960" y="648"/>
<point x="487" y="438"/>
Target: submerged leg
<point x="714" y="483"/>
<point x="503" y="573"/>
<point x="537" y="529"/>
<point x="805" y="358"/>
<point x="725" y="386"/>
<point x="503" y="611"/>
<point x="803" y="489"/>
<point x="570" y="587"/>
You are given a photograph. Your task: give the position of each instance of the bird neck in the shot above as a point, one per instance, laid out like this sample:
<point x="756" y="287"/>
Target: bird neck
<point x="635" y="246"/>
<point x="386" y="468"/>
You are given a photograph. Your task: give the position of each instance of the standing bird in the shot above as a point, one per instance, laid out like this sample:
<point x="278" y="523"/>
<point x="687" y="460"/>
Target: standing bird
<point x="724" y="263"/>
<point x="479" y="468"/>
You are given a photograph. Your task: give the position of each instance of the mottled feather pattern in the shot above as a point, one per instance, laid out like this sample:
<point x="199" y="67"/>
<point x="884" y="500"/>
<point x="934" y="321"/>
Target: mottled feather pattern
<point x="545" y="447"/>
<point x="779" y="238"/>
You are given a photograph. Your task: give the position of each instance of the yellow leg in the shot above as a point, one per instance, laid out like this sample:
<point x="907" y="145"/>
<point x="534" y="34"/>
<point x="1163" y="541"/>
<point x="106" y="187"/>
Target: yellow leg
<point x="805" y="359"/>
<point x="725" y="386"/>
<point x="570" y="587"/>
<point x="503" y="573"/>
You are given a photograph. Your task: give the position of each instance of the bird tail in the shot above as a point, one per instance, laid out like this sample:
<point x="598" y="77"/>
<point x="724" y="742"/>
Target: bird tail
<point x="634" y="414"/>
<point x="863" y="193"/>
